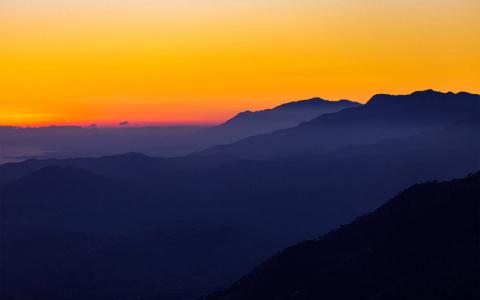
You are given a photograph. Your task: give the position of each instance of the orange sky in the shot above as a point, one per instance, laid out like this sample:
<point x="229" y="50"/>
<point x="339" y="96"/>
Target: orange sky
<point x="200" y="61"/>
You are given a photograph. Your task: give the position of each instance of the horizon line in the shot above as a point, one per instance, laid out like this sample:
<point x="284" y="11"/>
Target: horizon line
<point x="194" y="123"/>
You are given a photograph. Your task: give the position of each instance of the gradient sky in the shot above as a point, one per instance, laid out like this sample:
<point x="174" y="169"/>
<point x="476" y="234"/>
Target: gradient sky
<point x="154" y="61"/>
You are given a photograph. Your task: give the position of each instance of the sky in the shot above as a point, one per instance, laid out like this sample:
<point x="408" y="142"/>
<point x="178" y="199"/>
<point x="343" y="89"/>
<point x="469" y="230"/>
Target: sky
<point x="202" y="61"/>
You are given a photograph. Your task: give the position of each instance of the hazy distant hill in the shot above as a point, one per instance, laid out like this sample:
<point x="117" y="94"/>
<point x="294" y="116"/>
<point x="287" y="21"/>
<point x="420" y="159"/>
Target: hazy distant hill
<point x="423" y="244"/>
<point x="67" y="199"/>
<point x="287" y="115"/>
<point x="384" y="116"/>
<point x="67" y="233"/>
<point x="74" y="141"/>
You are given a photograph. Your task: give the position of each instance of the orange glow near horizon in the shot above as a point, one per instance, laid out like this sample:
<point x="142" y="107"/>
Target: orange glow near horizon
<point x="202" y="61"/>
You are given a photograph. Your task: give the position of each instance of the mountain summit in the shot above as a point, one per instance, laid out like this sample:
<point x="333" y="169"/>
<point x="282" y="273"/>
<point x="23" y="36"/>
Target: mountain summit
<point x="286" y="115"/>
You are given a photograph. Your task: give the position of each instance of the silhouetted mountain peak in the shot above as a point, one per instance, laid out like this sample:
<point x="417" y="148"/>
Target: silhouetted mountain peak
<point x="420" y="97"/>
<point x="428" y="92"/>
<point x="313" y="103"/>
<point x="242" y="115"/>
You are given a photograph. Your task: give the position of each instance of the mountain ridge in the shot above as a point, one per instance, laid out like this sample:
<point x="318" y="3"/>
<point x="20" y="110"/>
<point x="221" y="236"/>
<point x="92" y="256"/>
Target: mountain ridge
<point x="422" y="244"/>
<point x="384" y="116"/>
<point x="248" y="123"/>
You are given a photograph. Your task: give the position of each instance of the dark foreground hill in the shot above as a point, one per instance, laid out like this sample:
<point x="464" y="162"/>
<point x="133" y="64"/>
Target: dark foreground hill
<point x="422" y="244"/>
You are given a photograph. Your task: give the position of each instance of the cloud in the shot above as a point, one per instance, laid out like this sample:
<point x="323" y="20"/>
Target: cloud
<point x="123" y="123"/>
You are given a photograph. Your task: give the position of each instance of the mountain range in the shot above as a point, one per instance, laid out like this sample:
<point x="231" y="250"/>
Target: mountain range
<point x="382" y="117"/>
<point x="287" y="115"/>
<point x="79" y="228"/>
<point x="74" y="141"/>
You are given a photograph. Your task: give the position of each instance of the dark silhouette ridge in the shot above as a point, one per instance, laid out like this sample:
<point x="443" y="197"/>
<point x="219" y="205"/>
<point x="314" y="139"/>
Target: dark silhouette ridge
<point x="315" y="102"/>
<point x="286" y="115"/>
<point x="422" y="244"/>
<point x="384" y="116"/>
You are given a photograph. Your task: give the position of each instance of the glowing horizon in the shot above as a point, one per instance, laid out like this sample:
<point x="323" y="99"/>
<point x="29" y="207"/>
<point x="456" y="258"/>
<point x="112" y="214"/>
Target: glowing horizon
<point x="200" y="62"/>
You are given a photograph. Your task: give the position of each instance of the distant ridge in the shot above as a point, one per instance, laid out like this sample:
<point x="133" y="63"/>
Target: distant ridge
<point x="165" y="141"/>
<point x="295" y="111"/>
<point x="282" y="116"/>
<point x="68" y="194"/>
<point x="315" y="102"/>
<point x="384" y="116"/>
